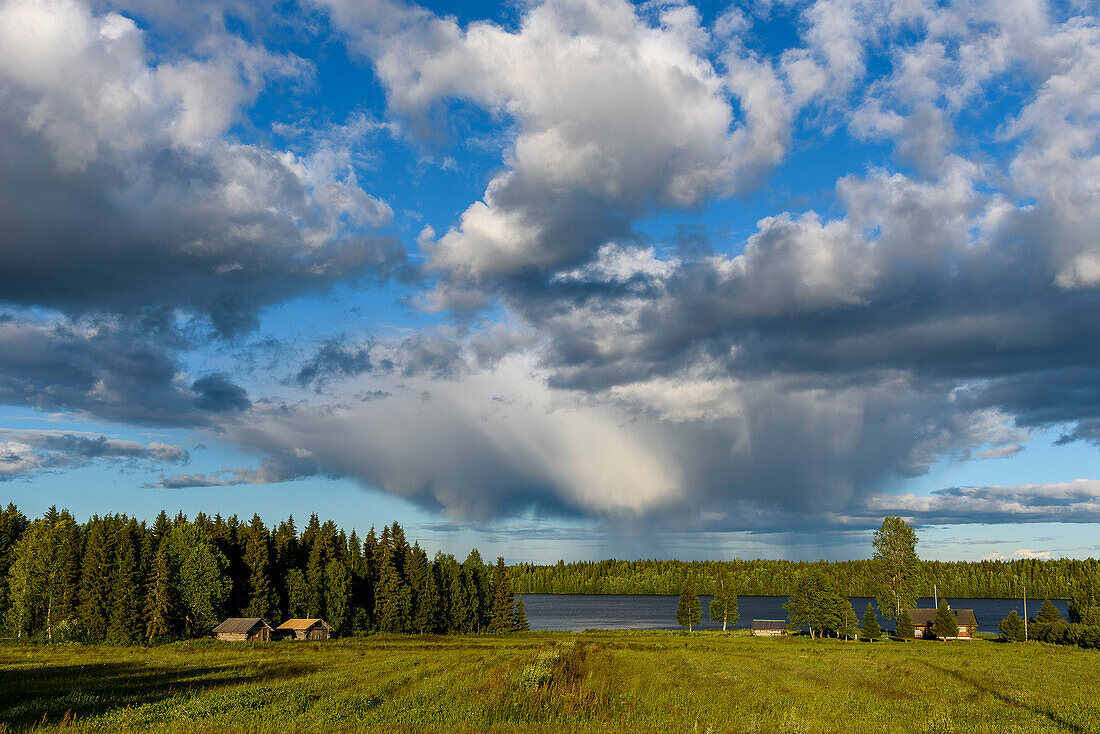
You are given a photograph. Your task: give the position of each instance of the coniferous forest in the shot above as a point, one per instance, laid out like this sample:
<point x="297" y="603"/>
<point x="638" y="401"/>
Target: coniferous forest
<point x="1053" y="579"/>
<point x="115" y="579"/>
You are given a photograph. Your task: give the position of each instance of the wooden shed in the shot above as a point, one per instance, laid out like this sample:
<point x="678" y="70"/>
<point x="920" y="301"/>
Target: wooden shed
<point x="769" y="627"/>
<point x="244" y="629"/>
<point x="304" y="629"/>
<point x="924" y="618"/>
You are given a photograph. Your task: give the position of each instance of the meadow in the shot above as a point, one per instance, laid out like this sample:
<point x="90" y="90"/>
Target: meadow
<point x="552" y="682"/>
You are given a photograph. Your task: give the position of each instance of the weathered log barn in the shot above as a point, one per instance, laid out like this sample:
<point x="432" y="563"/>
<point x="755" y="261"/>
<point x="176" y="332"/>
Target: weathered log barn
<point x="769" y="627"/>
<point x="244" y="629"/>
<point x="304" y="629"/>
<point x="964" y="618"/>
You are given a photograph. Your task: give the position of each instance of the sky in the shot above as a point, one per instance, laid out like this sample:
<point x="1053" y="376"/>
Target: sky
<point x="570" y="279"/>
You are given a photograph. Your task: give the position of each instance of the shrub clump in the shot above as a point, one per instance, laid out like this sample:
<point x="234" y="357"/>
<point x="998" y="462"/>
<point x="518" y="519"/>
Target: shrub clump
<point x="541" y="672"/>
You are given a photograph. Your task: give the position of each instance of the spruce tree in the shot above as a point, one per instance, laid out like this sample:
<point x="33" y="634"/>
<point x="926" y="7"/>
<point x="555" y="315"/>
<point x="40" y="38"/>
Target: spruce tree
<point x="160" y="598"/>
<point x="298" y="594"/>
<point x="461" y="612"/>
<point x="478" y="591"/>
<point x="338" y="595"/>
<point x="905" y="626"/>
<point x="257" y="559"/>
<point x="870" y="627"/>
<point x="1049" y="613"/>
<point x="519" y="617"/>
<point x="945" y="625"/>
<point x="95" y="582"/>
<point x="1012" y="627"/>
<point x="689" y="612"/>
<point x="427" y="603"/>
<point x="125" y="623"/>
<point x="502" y="599"/>
<point x="392" y="600"/>
<point x="723" y="607"/>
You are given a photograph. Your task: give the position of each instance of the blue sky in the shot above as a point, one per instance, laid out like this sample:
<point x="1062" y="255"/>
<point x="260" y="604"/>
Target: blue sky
<point x="566" y="279"/>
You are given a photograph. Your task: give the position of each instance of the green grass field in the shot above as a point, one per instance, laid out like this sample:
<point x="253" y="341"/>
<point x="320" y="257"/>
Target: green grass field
<point x="551" y="682"/>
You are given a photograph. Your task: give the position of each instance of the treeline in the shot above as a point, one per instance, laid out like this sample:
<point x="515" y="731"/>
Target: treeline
<point x="1054" y="579"/>
<point x="119" y="580"/>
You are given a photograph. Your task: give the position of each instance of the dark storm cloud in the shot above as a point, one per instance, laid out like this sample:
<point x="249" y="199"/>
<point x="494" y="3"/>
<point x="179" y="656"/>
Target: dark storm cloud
<point x="109" y="371"/>
<point x="219" y="394"/>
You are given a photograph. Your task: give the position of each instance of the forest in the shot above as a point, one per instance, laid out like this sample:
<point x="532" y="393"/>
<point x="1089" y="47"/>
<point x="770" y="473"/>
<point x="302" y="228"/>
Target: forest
<point x="1051" y="579"/>
<point x="115" y="579"/>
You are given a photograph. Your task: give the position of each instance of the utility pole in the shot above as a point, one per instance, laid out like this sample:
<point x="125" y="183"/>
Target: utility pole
<point x="1025" y="614"/>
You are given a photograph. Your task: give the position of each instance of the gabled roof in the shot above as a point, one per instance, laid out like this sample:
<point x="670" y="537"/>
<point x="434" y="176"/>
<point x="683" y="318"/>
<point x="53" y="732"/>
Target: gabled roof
<point x="303" y="624"/>
<point x="240" y="625"/>
<point x="769" y="624"/>
<point x="924" y="617"/>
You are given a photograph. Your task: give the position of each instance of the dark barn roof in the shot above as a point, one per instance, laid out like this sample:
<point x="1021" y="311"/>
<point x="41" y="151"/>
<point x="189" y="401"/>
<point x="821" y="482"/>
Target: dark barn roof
<point x="240" y="625"/>
<point x="769" y="624"/>
<point x="925" y="617"/>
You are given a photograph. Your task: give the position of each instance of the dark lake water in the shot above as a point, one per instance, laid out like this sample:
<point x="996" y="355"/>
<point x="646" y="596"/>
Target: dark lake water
<point x="577" y="612"/>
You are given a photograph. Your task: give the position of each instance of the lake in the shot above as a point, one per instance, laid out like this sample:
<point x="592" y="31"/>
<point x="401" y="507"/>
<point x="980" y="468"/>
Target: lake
<point x="577" y="612"/>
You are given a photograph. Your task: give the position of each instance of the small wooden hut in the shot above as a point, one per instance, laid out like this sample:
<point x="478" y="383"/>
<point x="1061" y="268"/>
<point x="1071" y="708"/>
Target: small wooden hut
<point x="304" y="629"/>
<point x="243" y="629"/>
<point x="769" y="627"/>
<point x="924" y="618"/>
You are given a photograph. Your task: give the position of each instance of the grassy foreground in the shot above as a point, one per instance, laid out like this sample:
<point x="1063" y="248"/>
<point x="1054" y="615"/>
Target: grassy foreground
<point x="551" y="682"/>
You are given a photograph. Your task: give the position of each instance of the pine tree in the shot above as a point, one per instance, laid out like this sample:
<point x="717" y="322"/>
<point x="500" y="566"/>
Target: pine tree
<point x="945" y="625"/>
<point x="502" y="599"/>
<point x="125" y="623"/>
<point x="1012" y="627"/>
<point x="849" y="622"/>
<point x="689" y="612"/>
<point x="905" y="626"/>
<point x="519" y="617"/>
<point x="870" y="627"/>
<point x="160" y="598"/>
<point x="723" y="607"/>
<point x="1049" y="613"/>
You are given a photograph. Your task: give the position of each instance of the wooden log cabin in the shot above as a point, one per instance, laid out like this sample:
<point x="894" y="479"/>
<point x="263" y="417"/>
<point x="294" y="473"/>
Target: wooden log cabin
<point x="924" y="618"/>
<point x="304" y="629"/>
<point x="243" y="629"/>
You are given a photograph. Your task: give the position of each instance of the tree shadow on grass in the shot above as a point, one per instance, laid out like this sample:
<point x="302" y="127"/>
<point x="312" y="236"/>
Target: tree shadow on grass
<point x="76" y="691"/>
<point x="1003" y="698"/>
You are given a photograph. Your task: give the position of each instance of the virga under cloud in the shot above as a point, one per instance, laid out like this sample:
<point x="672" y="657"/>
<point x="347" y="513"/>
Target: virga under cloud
<point x="934" y="304"/>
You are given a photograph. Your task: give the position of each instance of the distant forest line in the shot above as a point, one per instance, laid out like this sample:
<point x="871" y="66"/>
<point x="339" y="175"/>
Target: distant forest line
<point x="1051" y="579"/>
